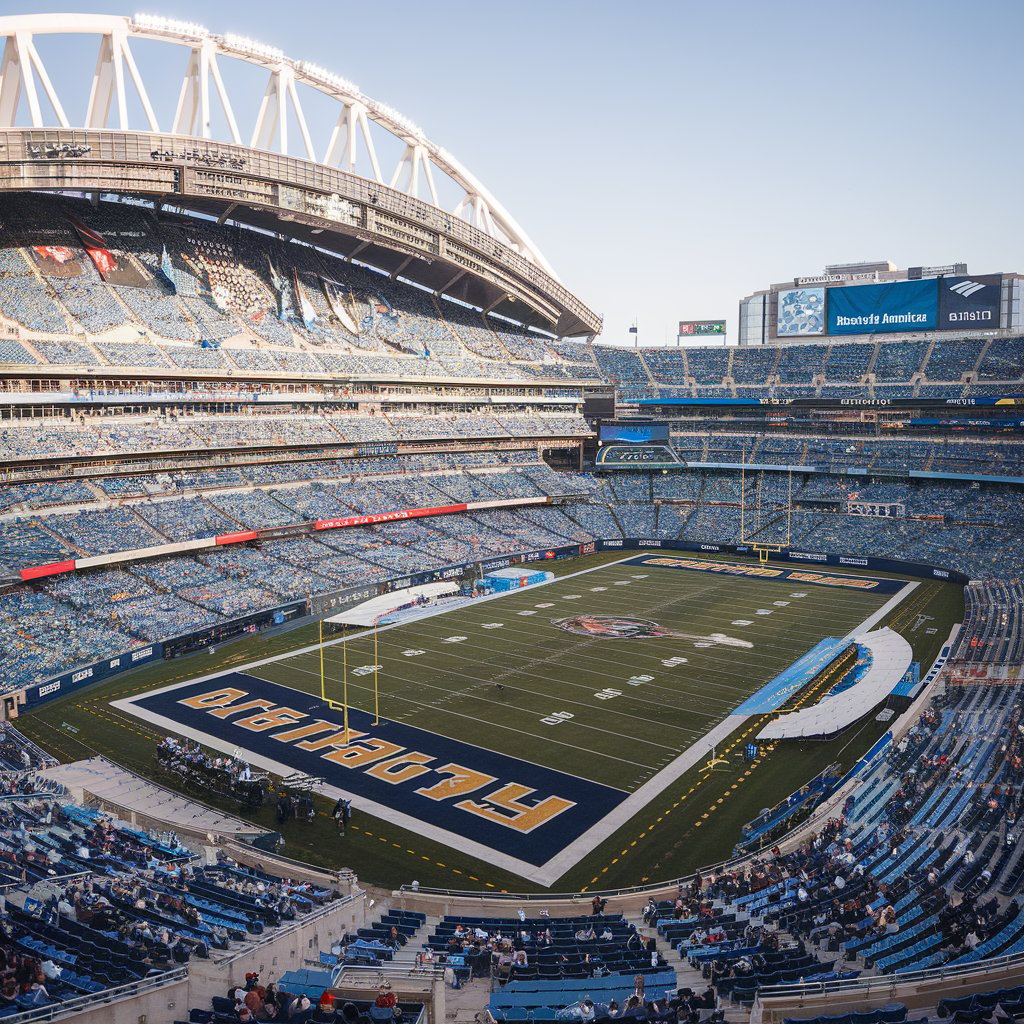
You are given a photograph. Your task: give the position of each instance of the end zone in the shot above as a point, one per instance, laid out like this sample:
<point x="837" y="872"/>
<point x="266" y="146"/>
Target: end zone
<point x="512" y="813"/>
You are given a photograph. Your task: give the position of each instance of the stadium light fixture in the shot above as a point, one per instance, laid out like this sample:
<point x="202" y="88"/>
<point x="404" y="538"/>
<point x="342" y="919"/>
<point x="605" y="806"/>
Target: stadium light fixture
<point x="252" y="46"/>
<point x="156" y="23"/>
<point x="328" y="78"/>
<point x="400" y="119"/>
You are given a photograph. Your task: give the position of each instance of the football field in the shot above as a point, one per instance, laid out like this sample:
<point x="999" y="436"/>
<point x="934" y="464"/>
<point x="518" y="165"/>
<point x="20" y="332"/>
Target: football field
<point x="496" y="671"/>
<point x="528" y="725"/>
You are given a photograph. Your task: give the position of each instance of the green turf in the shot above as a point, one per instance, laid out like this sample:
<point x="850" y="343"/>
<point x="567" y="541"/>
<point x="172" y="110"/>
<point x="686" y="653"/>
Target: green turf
<point x="679" y="831"/>
<point x="631" y="713"/>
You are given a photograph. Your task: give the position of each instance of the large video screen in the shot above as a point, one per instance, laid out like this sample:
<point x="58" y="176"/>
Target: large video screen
<point x="883" y="308"/>
<point x="630" y="433"/>
<point x="801" y="313"/>
<point x="969" y="302"/>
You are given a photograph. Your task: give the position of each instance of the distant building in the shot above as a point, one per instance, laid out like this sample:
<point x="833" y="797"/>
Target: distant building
<point x="857" y="300"/>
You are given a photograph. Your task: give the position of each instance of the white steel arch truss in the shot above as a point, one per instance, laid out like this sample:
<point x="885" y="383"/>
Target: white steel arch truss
<point x="202" y="91"/>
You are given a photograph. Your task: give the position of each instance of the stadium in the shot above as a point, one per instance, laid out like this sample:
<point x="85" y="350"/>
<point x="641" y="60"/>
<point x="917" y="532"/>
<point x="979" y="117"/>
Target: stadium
<point x="380" y="643"/>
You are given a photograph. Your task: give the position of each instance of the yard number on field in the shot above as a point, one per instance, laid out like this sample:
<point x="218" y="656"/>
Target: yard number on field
<point x="557" y="718"/>
<point x="640" y="680"/>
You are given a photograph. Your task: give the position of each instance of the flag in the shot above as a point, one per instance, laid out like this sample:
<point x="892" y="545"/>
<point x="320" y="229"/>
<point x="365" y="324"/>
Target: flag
<point x="305" y="308"/>
<point x="95" y="245"/>
<point x="167" y="269"/>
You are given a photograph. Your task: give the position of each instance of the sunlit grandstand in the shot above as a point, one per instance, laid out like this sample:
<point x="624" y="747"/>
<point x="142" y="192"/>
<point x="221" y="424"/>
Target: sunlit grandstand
<point x="381" y="644"/>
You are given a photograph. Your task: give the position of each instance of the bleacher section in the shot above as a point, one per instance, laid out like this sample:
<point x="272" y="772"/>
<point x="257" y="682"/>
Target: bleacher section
<point x="95" y="906"/>
<point x="211" y="298"/>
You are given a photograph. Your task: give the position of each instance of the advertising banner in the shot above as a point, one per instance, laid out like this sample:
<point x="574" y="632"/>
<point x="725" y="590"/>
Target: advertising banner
<point x="968" y="302"/>
<point x="801" y="313"/>
<point x="883" y="308"/>
<point x="116" y="271"/>
<point x="67" y="683"/>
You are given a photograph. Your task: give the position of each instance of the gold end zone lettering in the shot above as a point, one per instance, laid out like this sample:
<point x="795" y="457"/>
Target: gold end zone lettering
<point x="306" y="730"/>
<point x="401" y="768"/>
<point x="462" y="781"/>
<point x="336" y="739"/>
<point x="270" y="718"/>
<point x="213" y="699"/>
<point x="235" y="709"/>
<point x="358" y="755"/>
<point x="521" y="817"/>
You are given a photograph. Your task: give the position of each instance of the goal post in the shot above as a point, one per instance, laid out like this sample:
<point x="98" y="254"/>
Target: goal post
<point x="765" y="551"/>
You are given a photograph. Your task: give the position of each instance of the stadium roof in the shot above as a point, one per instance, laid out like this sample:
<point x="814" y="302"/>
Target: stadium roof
<point x="323" y="180"/>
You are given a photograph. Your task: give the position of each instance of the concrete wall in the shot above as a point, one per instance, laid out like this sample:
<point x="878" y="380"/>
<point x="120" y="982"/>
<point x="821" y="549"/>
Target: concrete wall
<point x="208" y="978"/>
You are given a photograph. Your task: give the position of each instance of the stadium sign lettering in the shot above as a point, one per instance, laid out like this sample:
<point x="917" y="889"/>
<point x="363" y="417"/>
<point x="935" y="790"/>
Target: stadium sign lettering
<point x="971" y="315"/>
<point x="941" y="573"/>
<point x="144" y="653"/>
<point x="875" y="319"/>
<point x="49" y="688"/>
<point x="799" y="282"/>
<point x="650" y="544"/>
<point x="808" y="556"/>
<point x="762" y="572"/>
<point x="503" y="803"/>
<point x="77" y="677"/>
<point x="379" y="517"/>
<point x="844" y="560"/>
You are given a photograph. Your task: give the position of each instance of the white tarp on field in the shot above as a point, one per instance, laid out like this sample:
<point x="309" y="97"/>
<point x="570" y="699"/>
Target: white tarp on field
<point x="369" y="612"/>
<point x="891" y="656"/>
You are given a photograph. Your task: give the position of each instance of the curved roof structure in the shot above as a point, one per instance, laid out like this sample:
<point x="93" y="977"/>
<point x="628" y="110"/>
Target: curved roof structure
<point x="288" y="170"/>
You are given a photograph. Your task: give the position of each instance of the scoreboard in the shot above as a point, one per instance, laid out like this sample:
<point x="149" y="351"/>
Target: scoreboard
<point x="701" y="328"/>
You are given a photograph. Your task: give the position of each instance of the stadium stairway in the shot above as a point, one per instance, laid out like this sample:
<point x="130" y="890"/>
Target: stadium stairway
<point x="125" y="794"/>
<point x="405" y="958"/>
<point x="686" y="976"/>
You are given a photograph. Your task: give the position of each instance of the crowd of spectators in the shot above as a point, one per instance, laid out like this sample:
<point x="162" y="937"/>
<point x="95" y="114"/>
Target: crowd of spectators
<point x="120" y="906"/>
<point x="22" y="439"/>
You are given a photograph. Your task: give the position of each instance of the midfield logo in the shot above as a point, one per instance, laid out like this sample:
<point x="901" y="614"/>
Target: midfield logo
<point x="617" y="627"/>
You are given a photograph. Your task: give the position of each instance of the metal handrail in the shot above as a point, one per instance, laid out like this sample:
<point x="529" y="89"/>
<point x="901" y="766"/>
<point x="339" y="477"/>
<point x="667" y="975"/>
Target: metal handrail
<point x="293" y="926"/>
<point x="887" y="982"/>
<point x="87" y="1002"/>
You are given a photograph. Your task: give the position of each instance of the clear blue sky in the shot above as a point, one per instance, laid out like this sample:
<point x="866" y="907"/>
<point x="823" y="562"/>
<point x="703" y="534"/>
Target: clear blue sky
<point x="670" y="157"/>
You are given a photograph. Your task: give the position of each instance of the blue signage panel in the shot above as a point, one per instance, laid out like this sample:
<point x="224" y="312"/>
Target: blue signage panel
<point x="966" y="303"/>
<point x="639" y="433"/>
<point x="883" y="308"/>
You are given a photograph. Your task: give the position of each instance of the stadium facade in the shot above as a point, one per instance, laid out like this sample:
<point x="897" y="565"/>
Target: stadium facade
<point x="859" y="300"/>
